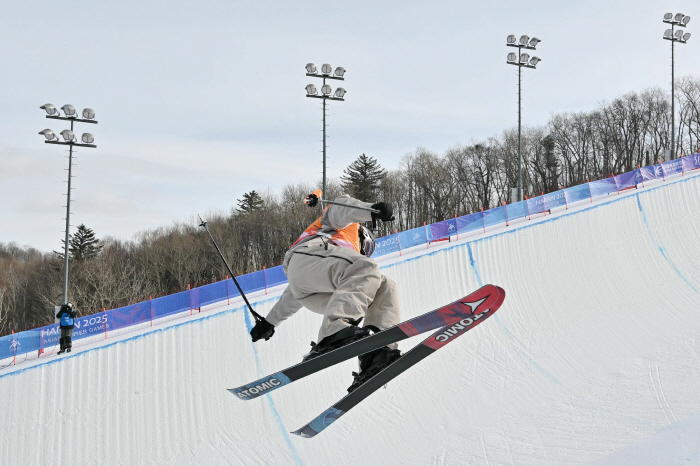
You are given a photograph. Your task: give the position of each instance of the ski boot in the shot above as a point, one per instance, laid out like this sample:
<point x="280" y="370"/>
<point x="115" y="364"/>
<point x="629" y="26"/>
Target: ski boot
<point x="372" y="363"/>
<point x="338" y="339"/>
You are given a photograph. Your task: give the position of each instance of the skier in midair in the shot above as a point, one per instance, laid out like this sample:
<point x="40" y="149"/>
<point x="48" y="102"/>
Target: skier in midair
<point x="330" y="273"/>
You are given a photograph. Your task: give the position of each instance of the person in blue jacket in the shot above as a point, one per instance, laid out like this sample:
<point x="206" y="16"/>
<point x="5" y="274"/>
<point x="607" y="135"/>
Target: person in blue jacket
<point x="67" y="316"/>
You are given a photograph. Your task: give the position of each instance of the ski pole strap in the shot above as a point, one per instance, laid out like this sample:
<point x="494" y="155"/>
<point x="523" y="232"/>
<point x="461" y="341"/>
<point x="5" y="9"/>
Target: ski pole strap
<point x="257" y="316"/>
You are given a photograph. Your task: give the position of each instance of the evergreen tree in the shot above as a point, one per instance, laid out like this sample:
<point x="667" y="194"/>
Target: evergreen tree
<point x="552" y="164"/>
<point x="251" y="202"/>
<point x="362" y="178"/>
<point x="83" y="245"/>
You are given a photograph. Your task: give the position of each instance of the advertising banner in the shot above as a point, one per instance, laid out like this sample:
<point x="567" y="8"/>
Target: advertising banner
<point x="386" y="245"/>
<point x="275" y="276"/>
<point x="414" y="237"/>
<point x="603" y="187"/>
<point x="129" y="315"/>
<point x="471" y="222"/>
<point x="215" y="292"/>
<point x="535" y="205"/>
<point x="517" y="210"/>
<point x="493" y="217"/>
<point x="691" y="163"/>
<point x="443" y="229"/>
<point x="577" y="193"/>
<point x="626" y="180"/>
<point x="652" y="172"/>
<point x="171" y="304"/>
<point x="672" y="167"/>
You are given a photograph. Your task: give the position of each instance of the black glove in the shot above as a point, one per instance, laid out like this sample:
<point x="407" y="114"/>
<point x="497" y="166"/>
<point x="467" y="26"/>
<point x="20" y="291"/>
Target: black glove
<point x="386" y="212"/>
<point x="311" y="200"/>
<point x="262" y="329"/>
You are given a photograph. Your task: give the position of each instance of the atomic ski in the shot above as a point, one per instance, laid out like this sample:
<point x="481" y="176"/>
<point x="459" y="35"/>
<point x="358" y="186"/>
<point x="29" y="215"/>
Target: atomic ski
<point x="475" y="303"/>
<point x="433" y="343"/>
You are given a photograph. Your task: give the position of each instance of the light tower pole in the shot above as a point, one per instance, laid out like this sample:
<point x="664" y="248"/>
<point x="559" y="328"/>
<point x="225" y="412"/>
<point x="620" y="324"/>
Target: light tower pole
<point x="70" y="141"/>
<point x="326" y="91"/>
<point x="521" y="60"/>
<point x="674" y="36"/>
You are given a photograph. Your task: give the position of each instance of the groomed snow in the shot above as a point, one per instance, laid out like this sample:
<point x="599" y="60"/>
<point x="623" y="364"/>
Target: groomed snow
<point x="593" y="357"/>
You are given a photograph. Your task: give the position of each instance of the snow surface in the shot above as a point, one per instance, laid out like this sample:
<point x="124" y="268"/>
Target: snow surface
<point x="594" y="357"/>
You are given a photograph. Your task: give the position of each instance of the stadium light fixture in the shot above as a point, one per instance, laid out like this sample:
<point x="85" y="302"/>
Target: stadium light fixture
<point x="680" y="36"/>
<point x="50" y="109"/>
<point x="326" y="94"/>
<point x="68" y="135"/>
<point x="68" y="110"/>
<point x="70" y="141"/>
<point x="521" y="60"/>
<point x="48" y="134"/>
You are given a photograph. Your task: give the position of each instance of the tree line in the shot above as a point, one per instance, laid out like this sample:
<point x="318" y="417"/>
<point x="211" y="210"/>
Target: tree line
<point x="632" y="130"/>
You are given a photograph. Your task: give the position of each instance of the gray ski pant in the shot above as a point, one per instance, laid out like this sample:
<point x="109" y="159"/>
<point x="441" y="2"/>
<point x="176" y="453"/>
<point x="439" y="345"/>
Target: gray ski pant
<point x="342" y="285"/>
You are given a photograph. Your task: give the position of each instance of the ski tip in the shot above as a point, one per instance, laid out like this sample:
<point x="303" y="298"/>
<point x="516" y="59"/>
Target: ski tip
<point x="305" y="432"/>
<point x="321" y="422"/>
<point x="301" y="433"/>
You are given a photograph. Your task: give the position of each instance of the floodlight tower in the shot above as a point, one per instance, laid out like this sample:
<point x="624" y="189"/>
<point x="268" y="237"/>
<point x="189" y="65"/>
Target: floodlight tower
<point x="326" y="92"/>
<point x="674" y="36"/>
<point x="69" y="140"/>
<point x="521" y="60"/>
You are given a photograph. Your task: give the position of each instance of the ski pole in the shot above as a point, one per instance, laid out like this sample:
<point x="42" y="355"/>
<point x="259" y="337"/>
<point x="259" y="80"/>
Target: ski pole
<point x="257" y="316"/>
<point x="368" y="209"/>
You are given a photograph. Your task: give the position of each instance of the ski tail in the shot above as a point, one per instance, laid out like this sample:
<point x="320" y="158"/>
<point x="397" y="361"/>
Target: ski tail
<point x="476" y="302"/>
<point x="431" y="344"/>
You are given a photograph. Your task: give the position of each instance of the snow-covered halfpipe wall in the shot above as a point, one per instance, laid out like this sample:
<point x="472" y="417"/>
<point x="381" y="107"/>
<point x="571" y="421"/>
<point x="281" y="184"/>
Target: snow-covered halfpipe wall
<point x="595" y="348"/>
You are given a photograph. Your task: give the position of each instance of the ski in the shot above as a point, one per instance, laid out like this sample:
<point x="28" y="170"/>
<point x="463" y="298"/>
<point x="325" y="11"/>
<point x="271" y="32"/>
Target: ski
<point x="431" y="344"/>
<point x="474" y="303"/>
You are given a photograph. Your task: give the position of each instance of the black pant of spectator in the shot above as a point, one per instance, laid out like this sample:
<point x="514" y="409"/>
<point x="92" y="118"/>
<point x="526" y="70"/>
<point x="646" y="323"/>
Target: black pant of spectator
<point x="65" y="340"/>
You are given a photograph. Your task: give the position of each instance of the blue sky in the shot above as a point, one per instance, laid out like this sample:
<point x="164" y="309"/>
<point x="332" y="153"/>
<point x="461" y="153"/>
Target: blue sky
<point x="200" y="102"/>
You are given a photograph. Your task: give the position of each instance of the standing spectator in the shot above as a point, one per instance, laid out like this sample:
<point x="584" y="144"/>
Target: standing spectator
<point x="67" y="316"/>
